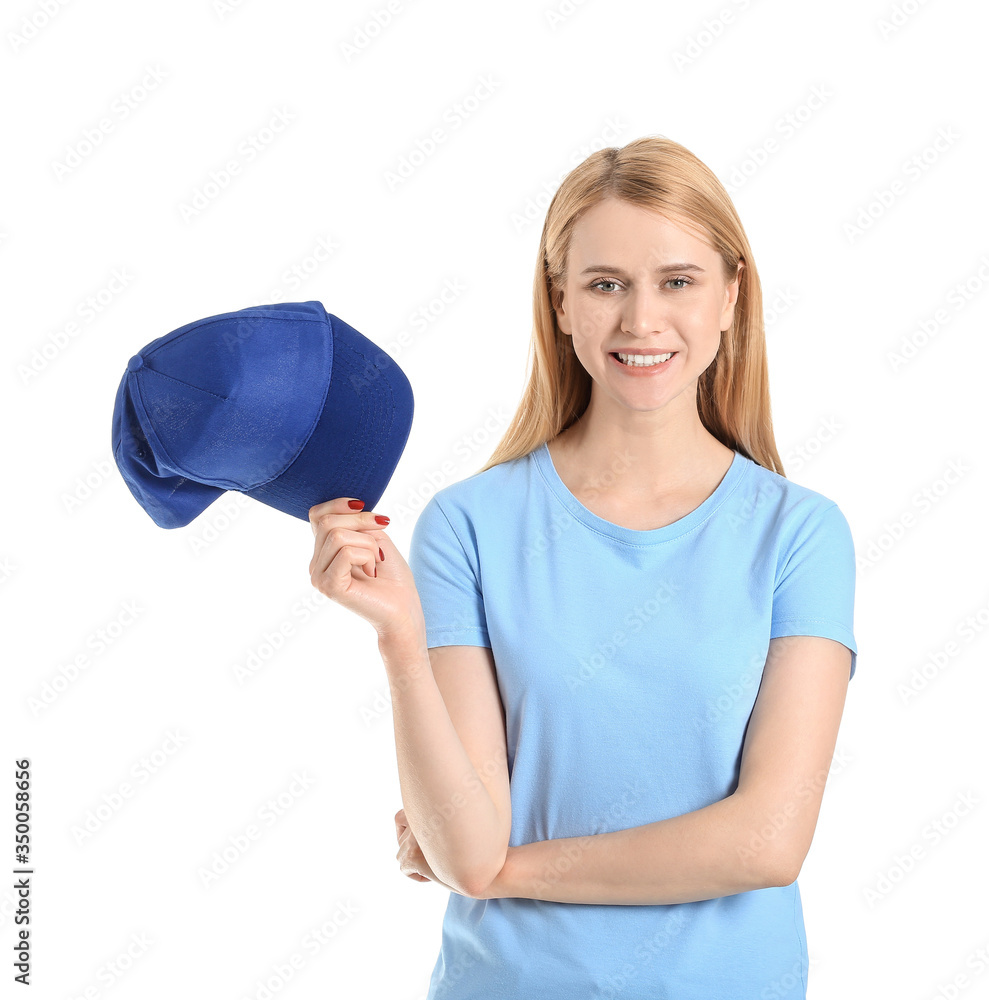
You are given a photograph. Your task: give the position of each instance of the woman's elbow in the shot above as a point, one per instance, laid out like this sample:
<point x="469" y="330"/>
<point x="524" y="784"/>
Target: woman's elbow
<point x="479" y="883"/>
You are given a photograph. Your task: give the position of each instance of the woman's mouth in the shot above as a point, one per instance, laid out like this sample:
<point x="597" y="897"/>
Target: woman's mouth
<point x="643" y="364"/>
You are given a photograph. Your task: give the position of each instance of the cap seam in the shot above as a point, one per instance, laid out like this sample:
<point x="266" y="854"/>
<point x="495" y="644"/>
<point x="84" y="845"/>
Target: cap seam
<point x="211" y="321"/>
<point x="331" y="342"/>
<point x="188" y="385"/>
<point x="148" y="429"/>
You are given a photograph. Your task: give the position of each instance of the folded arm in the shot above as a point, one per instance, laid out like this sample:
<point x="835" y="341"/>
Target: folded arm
<point x="755" y="838"/>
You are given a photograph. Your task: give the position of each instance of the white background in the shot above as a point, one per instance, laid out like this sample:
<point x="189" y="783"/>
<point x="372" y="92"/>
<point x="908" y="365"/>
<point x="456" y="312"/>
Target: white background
<point x="858" y="250"/>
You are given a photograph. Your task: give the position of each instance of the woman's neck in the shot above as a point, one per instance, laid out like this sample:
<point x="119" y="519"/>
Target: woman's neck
<point x="638" y="467"/>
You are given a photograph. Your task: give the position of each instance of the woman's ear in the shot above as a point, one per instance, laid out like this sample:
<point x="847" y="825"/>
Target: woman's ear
<point x="562" y="319"/>
<point x="731" y="297"/>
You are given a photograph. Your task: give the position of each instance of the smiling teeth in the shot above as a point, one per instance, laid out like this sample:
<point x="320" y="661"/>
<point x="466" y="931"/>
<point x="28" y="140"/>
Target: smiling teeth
<point x="644" y="360"/>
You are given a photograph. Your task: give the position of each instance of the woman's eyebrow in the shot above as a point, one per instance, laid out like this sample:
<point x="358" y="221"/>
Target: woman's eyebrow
<point x="595" y="268"/>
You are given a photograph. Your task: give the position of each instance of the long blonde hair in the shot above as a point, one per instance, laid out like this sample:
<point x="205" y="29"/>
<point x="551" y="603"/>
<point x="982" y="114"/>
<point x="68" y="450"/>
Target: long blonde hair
<point x="733" y="393"/>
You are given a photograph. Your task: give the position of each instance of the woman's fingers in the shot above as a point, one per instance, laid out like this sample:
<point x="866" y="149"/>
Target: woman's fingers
<point x="342" y="550"/>
<point x="324" y="516"/>
<point x="339" y="528"/>
<point x="341" y="505"/>
<point x="405" y="854"/>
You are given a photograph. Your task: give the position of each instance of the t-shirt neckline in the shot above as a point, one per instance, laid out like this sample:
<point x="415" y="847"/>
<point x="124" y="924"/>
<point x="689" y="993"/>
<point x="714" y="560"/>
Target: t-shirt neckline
<point x="544" y="463"/>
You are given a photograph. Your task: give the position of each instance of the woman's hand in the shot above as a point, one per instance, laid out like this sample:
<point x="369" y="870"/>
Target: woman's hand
<point x="411" y="860"/>
<point x="355" y="564"/>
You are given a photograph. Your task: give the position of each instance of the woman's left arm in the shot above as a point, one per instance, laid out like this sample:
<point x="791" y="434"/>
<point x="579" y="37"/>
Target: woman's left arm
<point x="755" y="838"/>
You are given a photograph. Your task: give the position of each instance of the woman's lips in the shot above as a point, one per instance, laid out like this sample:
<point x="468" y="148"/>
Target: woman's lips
<point x="643" y="370"/>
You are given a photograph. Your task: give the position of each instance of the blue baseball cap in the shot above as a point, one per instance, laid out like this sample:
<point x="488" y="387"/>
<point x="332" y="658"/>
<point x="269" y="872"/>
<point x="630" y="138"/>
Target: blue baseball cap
<point x="285" y="403"/>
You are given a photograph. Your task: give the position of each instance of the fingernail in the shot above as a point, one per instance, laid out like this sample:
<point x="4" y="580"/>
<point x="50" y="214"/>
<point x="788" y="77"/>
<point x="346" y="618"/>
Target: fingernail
<point x="355" y="504"/>
<point x="381" y="519"/>
<point x="381" y="555"/>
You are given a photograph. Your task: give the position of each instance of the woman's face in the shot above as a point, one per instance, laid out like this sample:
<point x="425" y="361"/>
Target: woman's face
<point x="639" y="284"/>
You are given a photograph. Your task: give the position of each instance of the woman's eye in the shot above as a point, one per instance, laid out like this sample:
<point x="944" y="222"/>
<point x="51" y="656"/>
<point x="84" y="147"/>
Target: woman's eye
<point x="683" y="282"/>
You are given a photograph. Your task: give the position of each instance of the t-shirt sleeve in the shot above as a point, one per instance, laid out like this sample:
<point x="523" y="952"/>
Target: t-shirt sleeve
<point x="444" y="563"/>
<point x="815" y="587"/>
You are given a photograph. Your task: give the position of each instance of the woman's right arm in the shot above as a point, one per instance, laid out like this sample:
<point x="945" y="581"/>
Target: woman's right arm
<point x="452" y="758"/>
<point x="447" y="711"/>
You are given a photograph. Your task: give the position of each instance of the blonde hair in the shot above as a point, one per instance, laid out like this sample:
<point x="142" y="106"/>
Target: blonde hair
<point x="733" y="393"/>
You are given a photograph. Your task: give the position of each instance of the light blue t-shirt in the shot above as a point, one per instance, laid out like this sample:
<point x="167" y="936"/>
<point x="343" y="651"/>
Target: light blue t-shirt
<point x="628" y="664"/>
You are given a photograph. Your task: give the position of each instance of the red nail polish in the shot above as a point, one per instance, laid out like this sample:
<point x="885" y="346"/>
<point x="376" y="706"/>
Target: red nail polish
<point x="381" y="519"/>
<point x="381" y="555"/>
<point x="355" y="504"/>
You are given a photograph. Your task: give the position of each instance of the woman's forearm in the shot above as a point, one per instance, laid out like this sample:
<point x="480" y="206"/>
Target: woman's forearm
<point x="448" y="807"/>
<point x="699" y="855"/>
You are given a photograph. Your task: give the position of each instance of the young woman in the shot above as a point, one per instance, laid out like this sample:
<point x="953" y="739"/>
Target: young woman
<point x="619" y="653"/>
